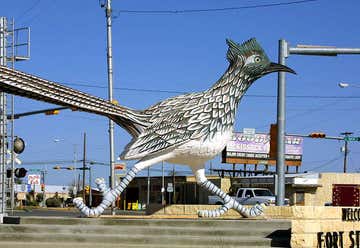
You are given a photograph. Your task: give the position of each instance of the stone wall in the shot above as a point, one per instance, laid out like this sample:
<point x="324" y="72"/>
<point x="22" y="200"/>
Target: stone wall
<point x="324" y="193"/>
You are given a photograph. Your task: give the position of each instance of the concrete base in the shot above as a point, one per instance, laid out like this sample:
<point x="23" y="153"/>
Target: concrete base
<point x="2" y="217"/>
<point x="309" y="224"/>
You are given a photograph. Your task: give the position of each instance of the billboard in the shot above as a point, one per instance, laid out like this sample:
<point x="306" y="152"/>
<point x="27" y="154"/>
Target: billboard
<point x="257" y="147"/>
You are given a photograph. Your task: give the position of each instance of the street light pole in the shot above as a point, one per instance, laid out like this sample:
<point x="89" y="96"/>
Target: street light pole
<point x="285" y="50"/>
<point x="280" y="160"/>
<point x="110" y="86"/>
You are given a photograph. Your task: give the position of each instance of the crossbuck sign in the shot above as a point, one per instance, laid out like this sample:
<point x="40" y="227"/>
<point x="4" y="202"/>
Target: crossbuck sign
<point x="34" y="179"/>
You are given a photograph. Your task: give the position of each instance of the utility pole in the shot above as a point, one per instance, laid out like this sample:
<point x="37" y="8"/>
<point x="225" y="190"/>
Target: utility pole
<point x="346" y="149"/>
<point x="110" y="86"/>
<point x="84" y="166"/>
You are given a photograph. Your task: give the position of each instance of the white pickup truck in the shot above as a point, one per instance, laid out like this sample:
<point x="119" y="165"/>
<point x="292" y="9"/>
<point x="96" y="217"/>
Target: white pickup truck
<point x="249" y="196"/>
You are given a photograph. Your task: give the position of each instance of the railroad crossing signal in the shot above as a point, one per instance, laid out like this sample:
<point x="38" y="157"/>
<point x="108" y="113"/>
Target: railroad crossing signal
<point x="348" y="138"/>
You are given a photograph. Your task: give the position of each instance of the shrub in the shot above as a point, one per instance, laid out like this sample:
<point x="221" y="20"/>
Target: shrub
<point x="53" y="202"/>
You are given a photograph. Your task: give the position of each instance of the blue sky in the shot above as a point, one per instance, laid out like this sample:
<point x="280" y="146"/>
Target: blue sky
<point x="186" y="53"/>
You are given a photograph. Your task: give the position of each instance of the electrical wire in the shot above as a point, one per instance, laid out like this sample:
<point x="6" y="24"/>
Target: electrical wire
<point x="27" y="10"/>
<point x="225" y="9"/>
<point x="329" y="162"/>
<point x="185" y="92"/>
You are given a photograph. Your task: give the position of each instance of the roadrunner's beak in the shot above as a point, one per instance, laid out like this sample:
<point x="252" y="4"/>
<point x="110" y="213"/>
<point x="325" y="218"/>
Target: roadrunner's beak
<point x="274" y="67"/>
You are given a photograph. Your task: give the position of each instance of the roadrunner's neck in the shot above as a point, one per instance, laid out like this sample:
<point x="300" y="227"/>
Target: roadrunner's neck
<point x="226" y="93"/>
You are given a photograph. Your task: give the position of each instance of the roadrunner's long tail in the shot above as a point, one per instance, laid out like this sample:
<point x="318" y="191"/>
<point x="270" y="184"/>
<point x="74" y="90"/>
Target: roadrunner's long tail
<point x="23" y="84"/>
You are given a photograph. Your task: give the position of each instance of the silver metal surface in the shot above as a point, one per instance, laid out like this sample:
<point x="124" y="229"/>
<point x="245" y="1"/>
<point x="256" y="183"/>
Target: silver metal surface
<point x="280" y="159"/>
<point x="326" y="51"/>
<point x="110" y="88"/>
<point x="3" y="120"/>
<point x="12" y="126"/>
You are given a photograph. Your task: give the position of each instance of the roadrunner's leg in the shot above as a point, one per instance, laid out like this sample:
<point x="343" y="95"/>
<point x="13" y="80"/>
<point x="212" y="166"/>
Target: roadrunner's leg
<point x="229" y="202"/>
<point x="110" y="195"/>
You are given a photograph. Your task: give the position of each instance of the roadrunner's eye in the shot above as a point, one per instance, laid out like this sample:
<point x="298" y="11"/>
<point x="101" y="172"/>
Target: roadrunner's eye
<point x="257" y="59"/>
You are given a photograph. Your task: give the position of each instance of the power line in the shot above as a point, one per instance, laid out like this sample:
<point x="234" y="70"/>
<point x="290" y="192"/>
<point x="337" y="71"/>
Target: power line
<point x="28" y="10"/>
<point x="327" y="163"/>
<point x="225" y="9"/>
<point x="185" y="92"/>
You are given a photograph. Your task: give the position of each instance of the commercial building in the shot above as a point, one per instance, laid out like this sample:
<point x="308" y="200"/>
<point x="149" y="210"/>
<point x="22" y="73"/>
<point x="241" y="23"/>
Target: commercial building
<point x="302" y="189"/>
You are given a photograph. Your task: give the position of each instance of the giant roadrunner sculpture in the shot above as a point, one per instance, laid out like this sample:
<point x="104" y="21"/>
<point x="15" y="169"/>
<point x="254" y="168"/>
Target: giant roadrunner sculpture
<point x="187" y="129"/>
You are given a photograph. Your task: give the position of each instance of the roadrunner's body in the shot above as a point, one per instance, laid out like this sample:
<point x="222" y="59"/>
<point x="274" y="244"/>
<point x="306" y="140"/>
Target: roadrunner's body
<point x="187" y="129"/>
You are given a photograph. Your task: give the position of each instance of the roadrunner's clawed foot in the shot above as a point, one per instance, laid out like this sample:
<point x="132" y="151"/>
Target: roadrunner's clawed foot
<point x="109" y="195"/>
<point x="246" y="212"/>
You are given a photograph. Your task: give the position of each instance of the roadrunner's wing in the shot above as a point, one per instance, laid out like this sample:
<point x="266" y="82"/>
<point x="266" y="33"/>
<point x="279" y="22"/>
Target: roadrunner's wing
<point x="26" y="85"/>
<point x="174" y="122"/>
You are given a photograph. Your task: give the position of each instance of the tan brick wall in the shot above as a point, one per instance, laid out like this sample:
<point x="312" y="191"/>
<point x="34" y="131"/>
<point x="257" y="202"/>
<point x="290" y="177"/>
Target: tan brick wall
<point x="306" y="221"/>
<point x="324" y="193"/>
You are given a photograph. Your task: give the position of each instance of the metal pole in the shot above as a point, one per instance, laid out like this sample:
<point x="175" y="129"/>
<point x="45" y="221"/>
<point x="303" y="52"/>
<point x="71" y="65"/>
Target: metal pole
<point x="346" y="148"/>
<point x="325" y="51"/>
<point x="75" y="190"/>
<point x="90" y="193"/>
<point x="174" y="188"/>
<point x="345" y="155"/>
<point x="162" y="184"/>
<point x="43" y="181"/>
<point x="280" y="159"/>
<point x="12" y="184"/>
<point x="84" y="166"/>
<point x="2" y="121"/>
<point x="148" y="189"/>
<point x="110" y="81"/>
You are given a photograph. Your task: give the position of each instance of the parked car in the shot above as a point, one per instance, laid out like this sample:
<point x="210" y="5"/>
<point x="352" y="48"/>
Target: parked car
<point x="249" y="196"/>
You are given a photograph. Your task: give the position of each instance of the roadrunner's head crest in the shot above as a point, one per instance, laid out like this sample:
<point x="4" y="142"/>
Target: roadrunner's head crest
<point x="252" y="58"/>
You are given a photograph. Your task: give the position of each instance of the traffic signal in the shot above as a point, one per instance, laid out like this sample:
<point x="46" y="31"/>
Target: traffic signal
<point x="20" y="172"/>
<point x="19" y="145"/>
<point x="70" y="168"/>
<point x="119" y="166"/>
<point x="317" y="135"/>
<point x="57" y="167"/>
<point x="8" y="173"/>
<point x="87" y="189"/>
<point x="42" y="187"/>
<point x="52" y="112"/>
